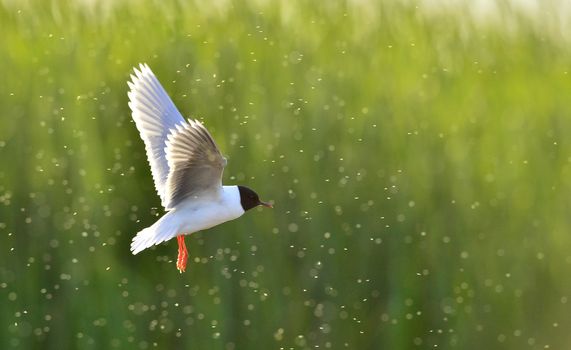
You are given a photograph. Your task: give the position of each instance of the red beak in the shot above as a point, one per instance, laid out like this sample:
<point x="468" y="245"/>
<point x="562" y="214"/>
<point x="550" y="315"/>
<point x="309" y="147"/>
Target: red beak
<point x="266" y="204"/>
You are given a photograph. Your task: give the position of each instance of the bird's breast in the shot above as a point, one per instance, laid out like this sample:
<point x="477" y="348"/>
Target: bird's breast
<point x="206" y="215"/>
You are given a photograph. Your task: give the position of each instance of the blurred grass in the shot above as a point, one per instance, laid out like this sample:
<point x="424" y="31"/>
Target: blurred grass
<point x="418" y="160"/>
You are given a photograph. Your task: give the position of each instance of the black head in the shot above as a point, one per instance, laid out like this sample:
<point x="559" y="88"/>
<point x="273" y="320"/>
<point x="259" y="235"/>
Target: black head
<point x="249" y="199"/>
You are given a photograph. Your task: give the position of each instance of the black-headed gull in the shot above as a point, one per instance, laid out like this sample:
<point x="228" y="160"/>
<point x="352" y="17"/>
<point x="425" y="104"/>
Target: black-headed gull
<point x="186" y="166"/>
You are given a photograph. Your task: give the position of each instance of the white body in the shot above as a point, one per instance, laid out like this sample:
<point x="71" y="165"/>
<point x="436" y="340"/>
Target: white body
<point x="191" y="216"/>
<point x="197" y="215"/>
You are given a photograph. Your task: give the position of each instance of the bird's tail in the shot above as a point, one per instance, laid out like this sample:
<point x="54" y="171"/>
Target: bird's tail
<point x="162" y="230"/>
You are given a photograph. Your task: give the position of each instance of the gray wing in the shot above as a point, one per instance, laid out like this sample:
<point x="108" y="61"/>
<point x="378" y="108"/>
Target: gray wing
<point x="195" y="163"/>
<point x="156" y="116"/>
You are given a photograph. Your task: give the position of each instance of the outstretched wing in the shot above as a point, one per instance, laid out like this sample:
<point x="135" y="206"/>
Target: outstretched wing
<point x="195" y="163"/>
<point x="156" y="117"/>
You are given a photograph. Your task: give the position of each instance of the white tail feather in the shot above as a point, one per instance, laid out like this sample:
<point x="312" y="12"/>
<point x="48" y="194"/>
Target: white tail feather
<point x="162" y="230"/>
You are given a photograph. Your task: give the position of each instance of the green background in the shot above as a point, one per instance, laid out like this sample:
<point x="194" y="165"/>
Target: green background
<point x="418" y="157"/>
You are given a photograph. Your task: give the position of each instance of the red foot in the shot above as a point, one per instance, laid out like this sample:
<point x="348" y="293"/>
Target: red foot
<point x="182" y="254"/>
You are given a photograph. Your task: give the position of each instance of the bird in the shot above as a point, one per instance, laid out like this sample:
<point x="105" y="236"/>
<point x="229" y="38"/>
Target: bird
<point x="186" y="166"/>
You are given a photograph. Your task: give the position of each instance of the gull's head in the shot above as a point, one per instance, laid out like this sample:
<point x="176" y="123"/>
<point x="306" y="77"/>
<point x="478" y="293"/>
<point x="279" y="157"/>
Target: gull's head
<point x="250" y="199"/>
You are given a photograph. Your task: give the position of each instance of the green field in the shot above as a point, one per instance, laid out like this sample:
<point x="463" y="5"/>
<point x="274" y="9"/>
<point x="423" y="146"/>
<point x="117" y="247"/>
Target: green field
<point x="418" y="158"/>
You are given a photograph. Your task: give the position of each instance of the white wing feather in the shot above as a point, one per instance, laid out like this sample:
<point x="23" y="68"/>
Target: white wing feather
<point x="195" y="164"/>
<point x="156" y="116"/>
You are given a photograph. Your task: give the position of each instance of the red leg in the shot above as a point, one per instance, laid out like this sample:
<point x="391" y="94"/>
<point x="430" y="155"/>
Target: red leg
<point x="182" y="254"/>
